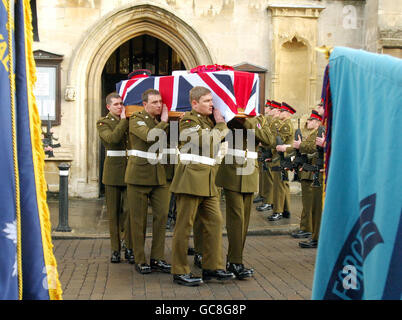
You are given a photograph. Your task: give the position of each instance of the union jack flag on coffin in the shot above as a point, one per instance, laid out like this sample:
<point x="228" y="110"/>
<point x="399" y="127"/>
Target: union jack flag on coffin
<point x="233" y="92"/>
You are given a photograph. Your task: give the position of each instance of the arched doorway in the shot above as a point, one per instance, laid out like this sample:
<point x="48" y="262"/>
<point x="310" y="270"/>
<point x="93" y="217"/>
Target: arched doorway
<point x="142" y="52"/>
<point x="89" y="59"/>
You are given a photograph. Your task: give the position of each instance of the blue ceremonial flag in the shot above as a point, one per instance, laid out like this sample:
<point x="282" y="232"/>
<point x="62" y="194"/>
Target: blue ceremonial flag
<point x="360" y="245"/>
<point x="28" y="268"/>
<point x="8" y="223"/>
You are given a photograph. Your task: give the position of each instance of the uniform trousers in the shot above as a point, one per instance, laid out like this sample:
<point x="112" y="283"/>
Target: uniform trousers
<point x="197" y="234"/>
<point x="211" y="219"/>
<point x="306" y="223"/>
<point x="238" y="208"/>
<point x="267" y="185"/>
<point x="116" y="207"/>
<point x="317" y="209"/>
<point x="138" y="197"/>
<point x="281" y="194"/>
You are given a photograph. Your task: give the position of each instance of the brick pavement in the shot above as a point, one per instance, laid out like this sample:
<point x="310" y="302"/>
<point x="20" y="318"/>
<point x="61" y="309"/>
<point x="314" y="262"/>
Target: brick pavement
<point x="283" y="271"/>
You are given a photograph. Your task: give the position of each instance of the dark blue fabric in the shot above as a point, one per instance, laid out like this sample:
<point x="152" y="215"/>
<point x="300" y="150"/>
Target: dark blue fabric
<point x="8" y="248"/>
<point x="33" y="265"/>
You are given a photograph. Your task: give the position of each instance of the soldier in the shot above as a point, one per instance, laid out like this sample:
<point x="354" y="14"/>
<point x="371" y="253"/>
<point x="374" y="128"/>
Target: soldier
<point x="281" y="194"/>
<point x="113" y="134"/>
<point x="266" y="174"/>
<point x="194" y="186"/>
<point x="146" y="181"/>
<point x="306" y="146"/>
<point x="315" y="191"/>
<point x="238" y="176"/>
<point x="261" y="168"/>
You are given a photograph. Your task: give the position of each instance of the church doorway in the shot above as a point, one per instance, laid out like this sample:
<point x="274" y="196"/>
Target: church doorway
<point x="141" y="52"/>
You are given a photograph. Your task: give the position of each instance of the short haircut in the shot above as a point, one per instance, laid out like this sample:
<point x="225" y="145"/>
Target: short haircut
<point x="197" y="92"/>
<point x="110" y="96"/>
<point x="149" y="92"/>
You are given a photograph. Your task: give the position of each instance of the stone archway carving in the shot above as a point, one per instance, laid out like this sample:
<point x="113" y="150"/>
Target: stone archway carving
<point x="90" y="57"/>
<point x="295" y="24"/>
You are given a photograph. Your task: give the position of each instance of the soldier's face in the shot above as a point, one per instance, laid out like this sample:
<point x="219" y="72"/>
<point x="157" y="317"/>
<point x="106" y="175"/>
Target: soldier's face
<point x="204" y="106"/>
<point x="115" y="107"/>
<point x="154" y="105"/>
<point x="320" y="110"/>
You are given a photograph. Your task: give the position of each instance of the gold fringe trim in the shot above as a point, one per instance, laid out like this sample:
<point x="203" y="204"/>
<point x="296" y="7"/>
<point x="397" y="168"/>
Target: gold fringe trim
<point x="55" y="291"/>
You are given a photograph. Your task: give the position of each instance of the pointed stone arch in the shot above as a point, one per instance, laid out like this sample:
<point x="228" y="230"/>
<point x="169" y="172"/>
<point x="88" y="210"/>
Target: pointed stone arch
<point x="89" y="58"/>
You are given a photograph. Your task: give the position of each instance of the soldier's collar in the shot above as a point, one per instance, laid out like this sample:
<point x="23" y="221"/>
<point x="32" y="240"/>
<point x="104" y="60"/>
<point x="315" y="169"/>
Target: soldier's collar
<point x="197" y="114"/>
<point x="112" y="116"/>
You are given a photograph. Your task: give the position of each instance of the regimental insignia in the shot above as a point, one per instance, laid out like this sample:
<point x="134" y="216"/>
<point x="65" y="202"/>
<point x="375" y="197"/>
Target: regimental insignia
<point x="141" y="123"/>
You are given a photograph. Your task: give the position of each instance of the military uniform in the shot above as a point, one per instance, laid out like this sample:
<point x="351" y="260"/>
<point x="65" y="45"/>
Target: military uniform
<point x="281" y="194"/>
<point x="238" y="176"/>
<point x="312" y="195"/>
<point x="194" y="186"/>
<point x="146" y="180"/>
<point x="113" y="134"/>
<point x="267" y="184"/>
<point x="306" y="178"/>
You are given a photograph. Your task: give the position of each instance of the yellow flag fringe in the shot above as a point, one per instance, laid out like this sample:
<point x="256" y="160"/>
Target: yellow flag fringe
<point x="55" y="291"/>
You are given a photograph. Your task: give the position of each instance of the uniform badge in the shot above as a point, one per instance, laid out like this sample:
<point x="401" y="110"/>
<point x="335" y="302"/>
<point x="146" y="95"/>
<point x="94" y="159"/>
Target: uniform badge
<point x="141" y="123"/>
<point x="259" y="125"/>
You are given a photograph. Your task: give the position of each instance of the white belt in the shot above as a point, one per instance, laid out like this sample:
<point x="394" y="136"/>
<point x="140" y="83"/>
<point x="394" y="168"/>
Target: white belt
<point x="243" y="153"/>
<point x="197" y="158"/>
<point x="170" y="151"/>
<point x="143" y="154"/>
<point x="151" y="155"/>
<point x="116" y="153"/>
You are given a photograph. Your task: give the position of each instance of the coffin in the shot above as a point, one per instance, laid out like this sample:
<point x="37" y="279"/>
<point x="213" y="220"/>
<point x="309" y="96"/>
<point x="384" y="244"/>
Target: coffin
<point x="235" y="93"/>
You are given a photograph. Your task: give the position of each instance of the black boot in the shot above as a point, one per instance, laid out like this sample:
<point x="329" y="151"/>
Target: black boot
<point x="275" y="216"/>
<point x="115" y="257"/>
<point x="187" y="280"/>
<point x="264" y="207"/>
<point x="160" y="266"/>
<point x="240" y="271"/>
<point x="216" y="274"/>
<point x="129" y="255"/>
<point x="286" y="214"/>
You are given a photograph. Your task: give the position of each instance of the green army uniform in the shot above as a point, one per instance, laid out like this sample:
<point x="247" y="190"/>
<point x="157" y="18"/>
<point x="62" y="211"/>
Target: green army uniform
<point x="306" y="178"/>
<point x="313" y="195"/>
<point x="146" y="180"/>
<point x="113" y="134"/>
<point x="194" y="187"/>
<point x="267" y="181"/>
<point x="281" y="191"/>
<point x="238" y="176"/>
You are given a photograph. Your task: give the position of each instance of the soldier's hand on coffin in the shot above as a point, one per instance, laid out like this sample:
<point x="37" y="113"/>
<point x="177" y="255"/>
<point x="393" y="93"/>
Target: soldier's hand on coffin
<point x="165" y="113"/>
<point x="218" y="116"/>
<point x="123" y="113"/>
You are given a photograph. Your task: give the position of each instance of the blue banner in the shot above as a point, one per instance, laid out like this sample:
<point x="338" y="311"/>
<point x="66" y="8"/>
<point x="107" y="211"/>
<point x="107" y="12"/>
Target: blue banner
<point x="28" y="268"/>
<point x="8" y="224"/>
<point x="359" y="253"/>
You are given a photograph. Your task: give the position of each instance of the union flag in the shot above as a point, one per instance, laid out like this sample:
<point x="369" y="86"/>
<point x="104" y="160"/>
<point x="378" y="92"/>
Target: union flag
<point x="233" y="91"/>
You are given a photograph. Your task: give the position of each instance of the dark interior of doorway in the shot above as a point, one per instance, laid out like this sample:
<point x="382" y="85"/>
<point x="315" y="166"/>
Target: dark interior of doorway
<point x="142" y="52"/>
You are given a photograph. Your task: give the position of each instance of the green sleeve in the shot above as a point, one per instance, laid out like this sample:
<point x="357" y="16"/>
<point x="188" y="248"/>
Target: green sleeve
<point x="110" y="135"/>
